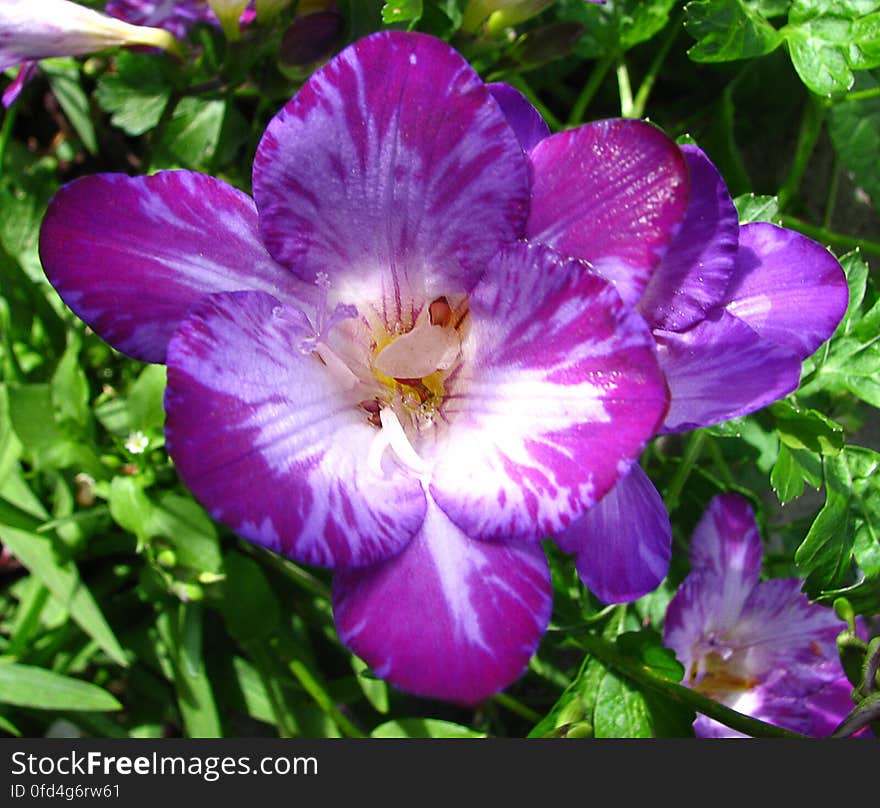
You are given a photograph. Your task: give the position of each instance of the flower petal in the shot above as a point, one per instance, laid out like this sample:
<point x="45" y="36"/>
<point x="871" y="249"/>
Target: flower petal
<point x="24" y="75"/>
<point x="612" y="193"/>
<point x="393" y="171"/>
<point x="694" y="272"/>
<point x="528" y="125"/>
<point x="131" y="255"/>
<point x="722" y="369"/>
<point x="449" y="618"/>
<point x="273" y="444"/>
<point x="558" y="392"/>
<point x="787" y="287"/>
<point x="623" y="544"/>
<point x="726" y="539"/>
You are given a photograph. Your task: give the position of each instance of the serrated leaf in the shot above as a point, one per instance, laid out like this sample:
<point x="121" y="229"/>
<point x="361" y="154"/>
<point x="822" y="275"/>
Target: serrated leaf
<point x="792" y="471"/>
<point x="847" y="529"/>
<point x="753" y="208"/>
<point x="30" y="686"/>
<point x="192" y="134"/>
<point x="727" y="30"/>
<point x="802" y="428"/>
<point x="424" y="728"/>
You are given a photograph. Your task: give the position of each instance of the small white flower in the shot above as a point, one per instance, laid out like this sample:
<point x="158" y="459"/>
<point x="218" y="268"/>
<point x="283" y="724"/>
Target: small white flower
<point x="137" y="442"/>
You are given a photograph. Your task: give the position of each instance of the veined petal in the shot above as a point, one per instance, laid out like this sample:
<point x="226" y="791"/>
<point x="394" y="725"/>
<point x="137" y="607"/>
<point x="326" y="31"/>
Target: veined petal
<point x="131" y="255"/>
<point x="271" y="441"/>
<point x="558" y="392"/>
<point x="613" y="193"/>
<point x="24" y="75"/>
<point x="38" y="29"/>
<point x="696" y="268"/>
<point x="392" y="170"/>
<point x="448" y="618"/>
<point x="721" y="369"/>
<point x="528" y="125"/>
<point x="787" y="287"/>
<point x="726" y="539"/>
<point x="623" y="544"/>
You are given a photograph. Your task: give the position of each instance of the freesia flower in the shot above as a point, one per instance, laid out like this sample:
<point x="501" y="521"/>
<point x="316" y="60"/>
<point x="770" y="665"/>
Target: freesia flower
<point x="368" y="368"/>
<point x="177" y="16"/>
<point x="31" y="30"/>
<point x="734" y="311"/>
<point x="760" y="647"/>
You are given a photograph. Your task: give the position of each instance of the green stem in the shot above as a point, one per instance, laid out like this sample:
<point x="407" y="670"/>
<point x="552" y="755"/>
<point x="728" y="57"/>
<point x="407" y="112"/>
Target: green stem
<point x="265" y="663"/>
<point x="516" y="706"/>
<point x="861" y="95"/>
<point x="826" y="236"/>
<point x="832" y="194"/>
<point x="811" y="126"/>
<point x="597" y="76"/>
<point x="322" y="699"/>
<point x="606" y="652"/>
<point x="691" y="454"/>
<point x="6" y="133"/>
<point x="644" y="92"/>
<point x="624" y="90"/>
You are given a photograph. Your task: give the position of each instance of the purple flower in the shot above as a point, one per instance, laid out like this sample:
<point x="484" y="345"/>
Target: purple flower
<point x="176" y="16"/>
<point x="734" y="311"/>
<point x="368" y="368"/>
<point x="760" y="647"/>
<point x="31" y="30"/>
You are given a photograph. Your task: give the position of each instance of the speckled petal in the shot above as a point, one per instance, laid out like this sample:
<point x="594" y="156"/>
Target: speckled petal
<point x="613" y="193"/>
<point x="696" y="269"/>
<point x="558" y="392"/>
<point x="787" y="287"/>
<point x="392" y="170"/>
<point x="131" y="255"/>
<point x="721" y="369"/>
<point x="449" y="618"/>
<point x="623" y="544"/>
<point x="273" y="443"/>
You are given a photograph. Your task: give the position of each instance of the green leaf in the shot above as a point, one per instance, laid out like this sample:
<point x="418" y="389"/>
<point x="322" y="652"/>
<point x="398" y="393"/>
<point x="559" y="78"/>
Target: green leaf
<point x="401" y="11"/>
<point x="136" y="93"/>
<point x="829" y="39"/>
<point x="192" y="134"/>
<point x="69" y="386"/>
<point x="846" y="530"/>
<point x="854" y="127"/>
<point x="801" y="428"/>
<point x="183" y="523"/>
<point x="793" y="469"/>
<point x="613" y="28"/>
<point x="424" y="728"/>
<point x="248" y="603"/>
<point x="375" y="690"/>
<point x="29" y="686"/>
<point x="145" y="399"/>
<point x="36" y="552"/>
<point x="726" y="30"/>
<point x="752" y="208"/>
<point x="130" y="507"/>
<point x="621" y="710"/>
<point x="64" y="78"/>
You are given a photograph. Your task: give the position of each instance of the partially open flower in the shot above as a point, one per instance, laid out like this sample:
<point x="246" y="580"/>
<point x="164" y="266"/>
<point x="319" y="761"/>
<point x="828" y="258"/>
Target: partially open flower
<point x="759" y="647"/>
<point x="368" y="367"/>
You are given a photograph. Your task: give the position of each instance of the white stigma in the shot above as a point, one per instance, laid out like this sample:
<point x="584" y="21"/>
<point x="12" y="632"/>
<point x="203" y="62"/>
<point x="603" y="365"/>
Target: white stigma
<point x="392" y="436"/>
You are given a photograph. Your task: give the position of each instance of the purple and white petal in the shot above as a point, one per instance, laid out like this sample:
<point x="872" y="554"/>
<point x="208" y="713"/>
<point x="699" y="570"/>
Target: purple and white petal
<point x="38" y="29"/>
<point x="623" y="544"/>
<point x="613" y="193"/>
<point x="696" y="269"/>
<point x="721" y="369"/>
<point x="726" y="539"/>
<point x="176" y="16"/>
<point x="557" y="394"/>
<point x="396" y="188"/>
<point x="449" y="618"/>
<point x="787" y="287"/>
<point x="528" y="125"/>
<point x="131" y="255"/>
<point x="270" y="439"/>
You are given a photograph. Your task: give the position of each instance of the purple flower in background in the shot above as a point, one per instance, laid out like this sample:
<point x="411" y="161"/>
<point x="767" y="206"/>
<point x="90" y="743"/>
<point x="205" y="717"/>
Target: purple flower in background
<point x="734" y="311"/>
<point x="368" y="368"/>
<point x="760" y="647"/>
<point x="176" y="16"/>
<point x="31" y="30"/>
